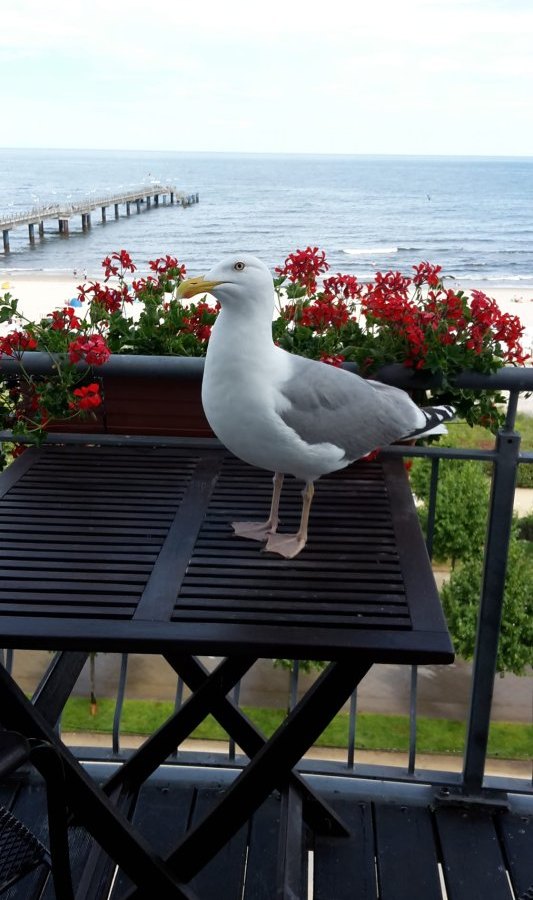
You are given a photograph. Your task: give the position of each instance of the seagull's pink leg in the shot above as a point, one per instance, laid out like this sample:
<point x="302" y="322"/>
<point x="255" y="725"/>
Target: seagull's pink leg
<point x="289" y="545"/>
<point x="259" y="531"/>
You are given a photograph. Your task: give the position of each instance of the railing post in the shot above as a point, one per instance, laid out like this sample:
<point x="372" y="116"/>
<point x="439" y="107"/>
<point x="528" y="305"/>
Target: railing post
<point x="490" y="614"/>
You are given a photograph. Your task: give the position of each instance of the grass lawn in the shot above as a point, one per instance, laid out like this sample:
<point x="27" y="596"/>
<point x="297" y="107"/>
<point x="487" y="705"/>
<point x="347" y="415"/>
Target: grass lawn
<point x="462" y="435"/>
<point x="374" y="732"/>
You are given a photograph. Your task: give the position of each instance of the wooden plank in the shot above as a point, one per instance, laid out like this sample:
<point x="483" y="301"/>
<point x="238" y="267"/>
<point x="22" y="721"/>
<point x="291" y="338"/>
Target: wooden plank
<point x="405" y="844"/>
<point x="261" y="868"/>
<point x="309" y="621"/>
<point x="223" y="875"/>
<point x="162" y="813"/>
<point x="344" y="866"/>
<point x="472" y="861"/>
<point x="291" y="879"/>
<point x="159" y="596"/>
<point x="516" y="833"/>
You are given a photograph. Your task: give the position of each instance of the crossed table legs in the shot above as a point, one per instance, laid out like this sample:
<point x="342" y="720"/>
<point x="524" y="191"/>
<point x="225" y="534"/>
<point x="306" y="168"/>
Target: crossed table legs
<point x="270" y="766"/>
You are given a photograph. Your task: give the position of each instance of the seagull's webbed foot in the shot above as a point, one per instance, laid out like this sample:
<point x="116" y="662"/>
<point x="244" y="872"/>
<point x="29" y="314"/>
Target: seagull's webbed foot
<point x="287" y="545"/>
<point x="260" y="531"/>
<point x="254" y="531"/>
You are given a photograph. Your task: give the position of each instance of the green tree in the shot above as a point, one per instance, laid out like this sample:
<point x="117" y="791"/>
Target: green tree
<point x="462" y="506"/>
<point x="460" y="599"/>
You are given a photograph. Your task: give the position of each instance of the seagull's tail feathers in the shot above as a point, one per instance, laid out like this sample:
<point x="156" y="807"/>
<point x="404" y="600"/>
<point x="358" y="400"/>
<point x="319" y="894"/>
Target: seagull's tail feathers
<point x="435" y="417"/>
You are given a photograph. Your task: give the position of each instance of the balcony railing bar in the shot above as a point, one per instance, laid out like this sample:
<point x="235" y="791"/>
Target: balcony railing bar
<point x="293" y="688"/>
<point x="178" y="701"/>
<point x="352" y="730"/>
<point x="413" y="695"/>
<point x="121" y="693"/>
<point x="492" y="595"/>
<point x="432" y="504"/>
<point x="236" y="699"/>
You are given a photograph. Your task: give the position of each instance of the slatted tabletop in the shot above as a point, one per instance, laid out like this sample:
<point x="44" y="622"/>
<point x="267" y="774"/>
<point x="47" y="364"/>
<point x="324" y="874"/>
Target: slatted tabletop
<point x="131" y="548"/>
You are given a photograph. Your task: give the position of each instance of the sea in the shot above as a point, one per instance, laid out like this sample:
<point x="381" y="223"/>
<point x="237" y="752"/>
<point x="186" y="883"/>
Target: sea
<point x="471" y="215"/>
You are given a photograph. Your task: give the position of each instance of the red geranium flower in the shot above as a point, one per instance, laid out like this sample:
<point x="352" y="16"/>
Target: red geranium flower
<point x="15" y="343"/>
<point x="87" y="397"/>
<point x="165" y="263"/>
<point x="93" y="350"/>
<point x="64" y="319"/>
<point x="304" y="267"/>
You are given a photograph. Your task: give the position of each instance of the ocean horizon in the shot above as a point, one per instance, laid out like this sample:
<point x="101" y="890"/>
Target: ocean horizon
<point x="472" y="215"/>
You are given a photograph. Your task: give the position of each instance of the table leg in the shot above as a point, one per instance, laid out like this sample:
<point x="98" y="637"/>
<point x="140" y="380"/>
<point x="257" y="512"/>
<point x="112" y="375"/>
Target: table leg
<point x="272" y="764"/>
<point x="91" y="806"/>
<point x="164" y="741"/>
<point x="317" y="813"/>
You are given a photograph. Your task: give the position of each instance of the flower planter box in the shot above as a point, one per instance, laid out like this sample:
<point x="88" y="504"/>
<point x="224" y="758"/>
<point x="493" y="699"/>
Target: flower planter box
<point x="152" y="395"/>
<point x="136" y="405"/>
<point x="149" y="395"/>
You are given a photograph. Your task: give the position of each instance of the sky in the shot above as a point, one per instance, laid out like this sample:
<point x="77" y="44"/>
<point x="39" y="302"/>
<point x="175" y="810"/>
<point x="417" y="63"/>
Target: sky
<point x="285" y="76"/>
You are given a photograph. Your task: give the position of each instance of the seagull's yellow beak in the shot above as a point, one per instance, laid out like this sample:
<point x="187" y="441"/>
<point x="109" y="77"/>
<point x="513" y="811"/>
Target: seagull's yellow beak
<point x="197" y="285"/>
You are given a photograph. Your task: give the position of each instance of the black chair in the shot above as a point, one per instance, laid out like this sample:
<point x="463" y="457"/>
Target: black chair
<point x="20" y="850"/>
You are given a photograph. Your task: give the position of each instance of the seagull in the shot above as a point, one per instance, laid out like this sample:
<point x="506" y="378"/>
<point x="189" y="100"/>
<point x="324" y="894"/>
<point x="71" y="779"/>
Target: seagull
<point x="286" y="413"/>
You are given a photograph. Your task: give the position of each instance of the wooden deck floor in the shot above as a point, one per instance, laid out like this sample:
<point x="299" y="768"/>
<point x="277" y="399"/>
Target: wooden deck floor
<point x="399" y="850"/>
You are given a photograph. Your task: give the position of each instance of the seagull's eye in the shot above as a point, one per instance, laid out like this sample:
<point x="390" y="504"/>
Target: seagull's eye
<point x="239" y="266"/>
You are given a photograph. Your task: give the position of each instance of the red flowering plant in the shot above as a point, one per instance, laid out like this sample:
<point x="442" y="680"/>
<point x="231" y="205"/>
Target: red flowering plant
<point x="414" y="320"/>
<point x="120" y="314"/>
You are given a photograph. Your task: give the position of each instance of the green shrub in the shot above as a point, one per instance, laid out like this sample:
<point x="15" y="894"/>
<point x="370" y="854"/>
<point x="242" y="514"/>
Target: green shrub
<point x="524" y="527"/>
<point x="462" y="506"/>
<point x="524" y="478"/>
<point x="461" y="598"/>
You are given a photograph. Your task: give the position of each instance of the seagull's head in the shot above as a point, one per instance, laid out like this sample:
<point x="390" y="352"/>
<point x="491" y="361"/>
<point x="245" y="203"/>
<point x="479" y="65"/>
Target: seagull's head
<point x="236" y="281"/>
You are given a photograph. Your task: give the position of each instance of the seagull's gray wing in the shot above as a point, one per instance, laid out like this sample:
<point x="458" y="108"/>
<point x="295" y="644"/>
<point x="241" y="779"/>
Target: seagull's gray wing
<point x="328" y="404"/>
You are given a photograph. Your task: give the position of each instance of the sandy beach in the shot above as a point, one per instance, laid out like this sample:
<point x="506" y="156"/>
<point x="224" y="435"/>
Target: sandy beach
<point x="40" y="293"/>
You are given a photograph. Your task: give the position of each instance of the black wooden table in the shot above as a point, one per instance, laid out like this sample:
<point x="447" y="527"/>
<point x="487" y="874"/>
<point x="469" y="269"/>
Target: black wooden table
<point x="130" y="549"/>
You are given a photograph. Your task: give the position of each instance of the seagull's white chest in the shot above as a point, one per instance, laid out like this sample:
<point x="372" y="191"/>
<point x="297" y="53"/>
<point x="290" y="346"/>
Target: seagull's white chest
<point x="240" y="395"/>
<point x="243" y="399"/>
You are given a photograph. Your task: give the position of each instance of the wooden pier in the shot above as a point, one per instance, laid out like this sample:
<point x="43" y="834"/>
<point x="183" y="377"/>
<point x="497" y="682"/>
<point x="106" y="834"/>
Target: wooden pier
<point x="63" y="212"/>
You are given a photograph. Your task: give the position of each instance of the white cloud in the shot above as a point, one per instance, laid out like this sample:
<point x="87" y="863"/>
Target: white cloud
<point x="347" y="78"/>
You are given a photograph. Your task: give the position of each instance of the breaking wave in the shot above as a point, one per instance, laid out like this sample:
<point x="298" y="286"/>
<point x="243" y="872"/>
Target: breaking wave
<point x="369" y="251"/>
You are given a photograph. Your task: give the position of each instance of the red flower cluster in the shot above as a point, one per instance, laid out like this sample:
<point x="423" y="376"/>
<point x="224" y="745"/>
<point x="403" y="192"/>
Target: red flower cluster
<point x="110" y="299"/>
<point x="141" y="284"/>
<point x="304" y="267"/>
<point x="86" y="397"/>
<point x="16" y="343"/>
<point x="487" y="319"/>
<point x="200" y="321"/>
<point x="118" y="262"/>
<point x="166" y="263"/>
<point x="93" y="350"/>
<point x="64" y="319"/>
<point x="325" y="313"/>
<point x="345" y="286"/>
<point x="440" y="319"/>
<point x="426" y="273"/>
